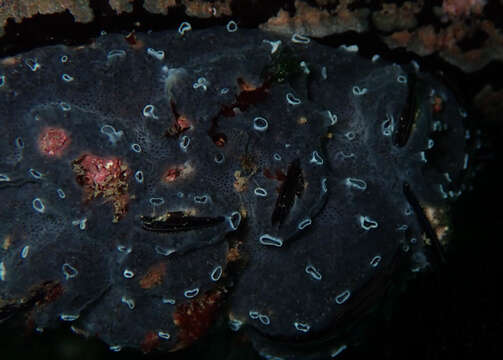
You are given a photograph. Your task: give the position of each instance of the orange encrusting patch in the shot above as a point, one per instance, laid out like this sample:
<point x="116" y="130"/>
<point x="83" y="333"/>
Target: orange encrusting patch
<point x="105" y="177"/>
<point x="10" y="61"/>
<point x="437" y="218"/>
<point x="246" y="86"/>
<point x="154" y="276"/>
<point x="240" y="182"/>
<point x="7" y="242"/>
<point x="53" y="141"/>
<point x="302" y="120"/>
<point x="233" y="254"/>
<point x="195" y="317"/>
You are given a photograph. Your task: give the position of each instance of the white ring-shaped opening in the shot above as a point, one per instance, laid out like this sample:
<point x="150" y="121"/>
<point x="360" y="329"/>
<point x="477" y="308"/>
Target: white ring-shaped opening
<point x="184" y="27"/>
<point x="232" y="26"/>
<point x="300" y="39"/>
<point x="260" y="124"/>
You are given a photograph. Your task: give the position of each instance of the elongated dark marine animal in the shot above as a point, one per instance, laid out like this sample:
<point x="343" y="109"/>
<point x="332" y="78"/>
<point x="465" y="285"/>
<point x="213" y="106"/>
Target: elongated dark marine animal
<point x="153" y="184"/>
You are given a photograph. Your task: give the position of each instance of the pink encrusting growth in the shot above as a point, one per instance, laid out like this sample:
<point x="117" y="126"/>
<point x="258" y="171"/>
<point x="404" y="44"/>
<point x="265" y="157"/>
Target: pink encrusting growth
<point x="171" y="174"/>
<point x="104" y="177"/>
<point x="53" y="141"/>
<point x="176" y="172"/>
<point x="99" y="170"/>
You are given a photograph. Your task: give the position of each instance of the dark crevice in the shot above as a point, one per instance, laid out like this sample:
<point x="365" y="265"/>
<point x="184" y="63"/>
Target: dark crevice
<point x="60" y="28"/>
<point x="492" y="11"/>
<point x="407" y="116"/>
<point x="473" y="41"/>
<point x="16" y="183"/>
<point x="427" y="15"/>
<point x="178" y="221"/>
<point x="252" y="13"/>
<point x="292" y="187"/>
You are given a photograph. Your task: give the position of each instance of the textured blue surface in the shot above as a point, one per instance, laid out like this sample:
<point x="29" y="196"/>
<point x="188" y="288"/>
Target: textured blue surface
<point x="308" y="185"/>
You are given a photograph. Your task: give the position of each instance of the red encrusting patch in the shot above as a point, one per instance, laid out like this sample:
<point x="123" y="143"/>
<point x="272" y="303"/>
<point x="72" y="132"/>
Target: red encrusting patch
<point x="104" y="177"/>
<point x="196" y="317"/>
<point x="219" y="139"/>
<point x="437" y="104"/>
<point x="150" y="342"/>
<point x="249" y="95"/>
<point x="135" y="43"/>
<point x="53" y="141"/>
<point x="181" y="123"/>
<point x="154" y="276"/>
<point x="46" y="292"/>
<point x="53" y="291"/>
<point x="171" y="174"/>
<point x="279" y="175"/>
<point x="176" y="172"/>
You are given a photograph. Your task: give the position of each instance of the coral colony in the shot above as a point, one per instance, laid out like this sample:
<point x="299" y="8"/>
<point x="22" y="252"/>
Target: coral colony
<point x="153" y="184"/>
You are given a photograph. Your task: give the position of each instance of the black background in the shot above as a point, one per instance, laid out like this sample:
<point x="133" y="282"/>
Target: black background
<point x="453" y="313"/>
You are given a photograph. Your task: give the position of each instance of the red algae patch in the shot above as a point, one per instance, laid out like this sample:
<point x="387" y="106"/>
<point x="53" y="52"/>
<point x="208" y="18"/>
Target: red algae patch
<point x="52" y="142"/>
<point x="106" y="178"/>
